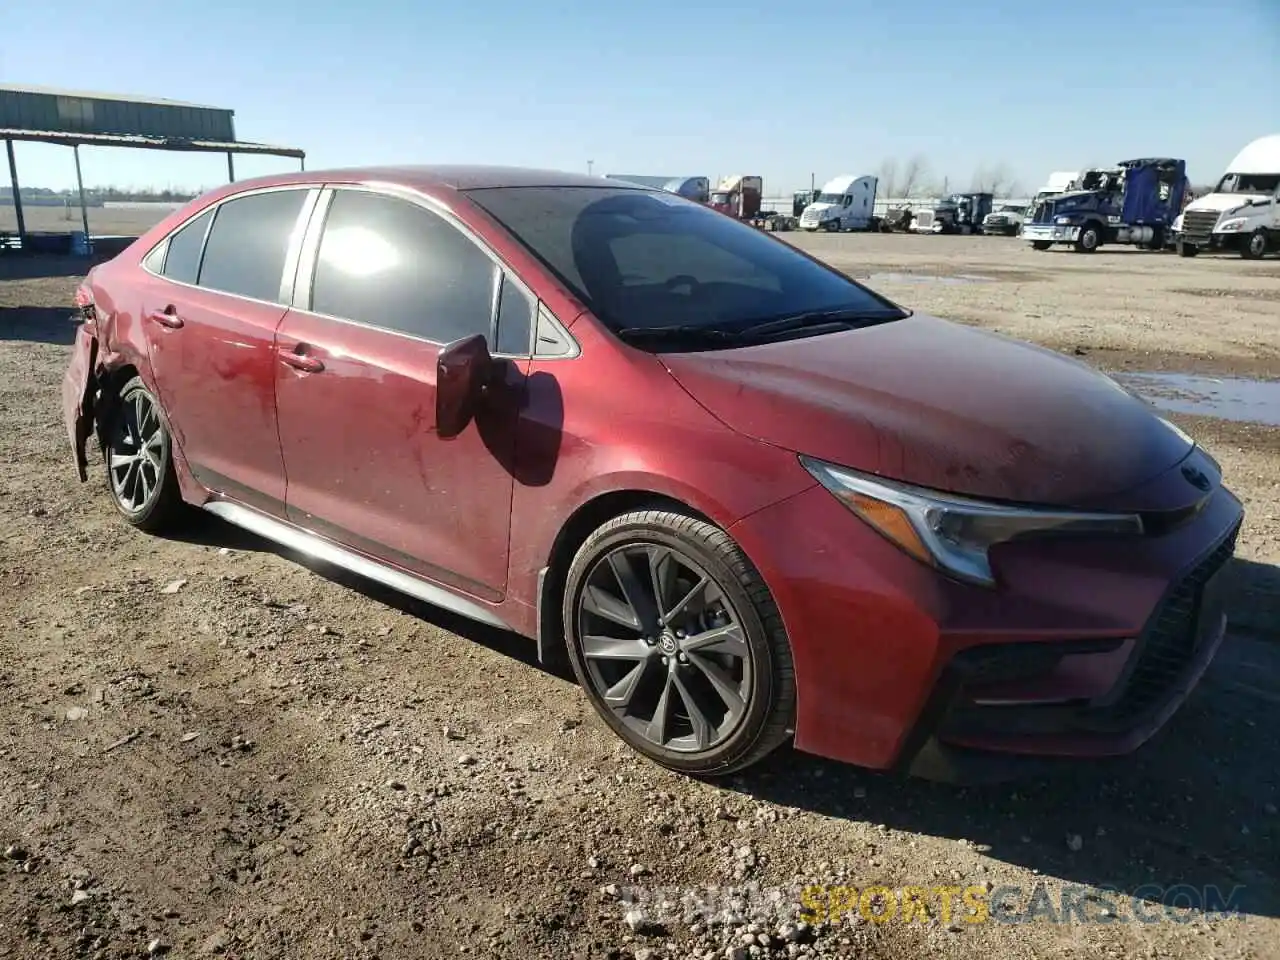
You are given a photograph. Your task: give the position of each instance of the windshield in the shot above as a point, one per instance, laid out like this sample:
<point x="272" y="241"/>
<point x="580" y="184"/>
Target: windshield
<point x="831" y="198"/>
<point x="1263" y="183"/>
<point x="643" y="260"/>
<point x="720" y="198"/>
<point x="1013" y="208"/>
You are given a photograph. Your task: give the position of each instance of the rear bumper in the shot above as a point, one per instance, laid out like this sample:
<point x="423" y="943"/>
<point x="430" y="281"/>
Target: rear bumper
<point x="1080" y="654"/>
<point x="77" y="396"/>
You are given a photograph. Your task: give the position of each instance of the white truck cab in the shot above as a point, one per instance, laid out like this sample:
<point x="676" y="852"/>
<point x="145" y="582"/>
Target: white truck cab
<point x="845" y="203"/>
<point x="1243" y="211"/>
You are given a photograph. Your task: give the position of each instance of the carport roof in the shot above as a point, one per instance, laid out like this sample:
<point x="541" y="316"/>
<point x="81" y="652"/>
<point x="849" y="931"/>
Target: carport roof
<point x="140" y="142"/>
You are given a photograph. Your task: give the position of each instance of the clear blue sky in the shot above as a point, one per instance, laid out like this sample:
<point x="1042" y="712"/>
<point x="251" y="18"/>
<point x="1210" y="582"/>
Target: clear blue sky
<point x="783" y="89"/>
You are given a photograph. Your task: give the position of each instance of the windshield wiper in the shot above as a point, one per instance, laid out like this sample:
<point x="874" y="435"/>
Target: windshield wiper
<point x="688" y="333"/>
<point x="814" y="318"/>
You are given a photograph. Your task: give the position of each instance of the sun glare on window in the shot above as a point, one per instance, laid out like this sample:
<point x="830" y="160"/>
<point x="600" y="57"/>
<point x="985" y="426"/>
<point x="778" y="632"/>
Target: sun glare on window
<point x="357" y="251"/>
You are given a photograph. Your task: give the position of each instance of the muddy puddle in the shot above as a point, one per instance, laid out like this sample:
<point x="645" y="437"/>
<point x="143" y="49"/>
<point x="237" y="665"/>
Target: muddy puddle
<point x="1228" y="398"/>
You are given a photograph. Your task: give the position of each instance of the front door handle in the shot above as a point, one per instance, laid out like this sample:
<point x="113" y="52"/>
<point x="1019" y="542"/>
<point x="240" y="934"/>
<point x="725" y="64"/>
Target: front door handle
<point x="166" y="318"/>
<point x="301" y="361"/>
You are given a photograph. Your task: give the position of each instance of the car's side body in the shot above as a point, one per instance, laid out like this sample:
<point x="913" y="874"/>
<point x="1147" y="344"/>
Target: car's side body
<point x="560" y="469"/>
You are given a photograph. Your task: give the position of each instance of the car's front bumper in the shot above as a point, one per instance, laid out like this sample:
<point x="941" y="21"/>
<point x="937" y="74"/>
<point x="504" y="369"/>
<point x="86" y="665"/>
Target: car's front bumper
<point x="1051" y="233"/>
<point x="885" y="648"/>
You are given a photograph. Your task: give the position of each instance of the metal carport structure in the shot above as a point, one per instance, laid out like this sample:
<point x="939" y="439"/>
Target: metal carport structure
<point x="74" y="119"/>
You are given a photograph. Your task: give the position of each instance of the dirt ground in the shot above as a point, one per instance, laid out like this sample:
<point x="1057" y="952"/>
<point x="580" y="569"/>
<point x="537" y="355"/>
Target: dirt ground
<point x="209" y="748"/>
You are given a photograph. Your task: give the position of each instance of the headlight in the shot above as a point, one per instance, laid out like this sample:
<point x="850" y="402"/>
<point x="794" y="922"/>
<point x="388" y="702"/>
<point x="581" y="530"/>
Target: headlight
<point x="1233" y="226"/>
<point x="952" y="533"/>
<point x="1063" y="221"/>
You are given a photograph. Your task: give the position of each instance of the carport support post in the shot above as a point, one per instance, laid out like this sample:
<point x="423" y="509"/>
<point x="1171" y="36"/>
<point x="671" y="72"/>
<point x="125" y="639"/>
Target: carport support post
<point x="302" y="163"/>
<point x="231" y="167"/>
<point x="17" y="194"/>
<point x="84" y="211"/>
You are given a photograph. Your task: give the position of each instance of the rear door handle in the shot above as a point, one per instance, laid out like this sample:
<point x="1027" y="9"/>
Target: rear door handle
<point x="166" y="318"/>
<point x="301" y="361"/>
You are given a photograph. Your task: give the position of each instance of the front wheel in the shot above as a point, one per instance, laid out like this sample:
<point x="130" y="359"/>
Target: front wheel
<point x="1040" y="244"/>
<point x="139" y="462"/>
<point x="1186" y="249"/>
<point x="1089" y="240"/>
<point x="1255" y="245"/>
<point x="677" y="641"/>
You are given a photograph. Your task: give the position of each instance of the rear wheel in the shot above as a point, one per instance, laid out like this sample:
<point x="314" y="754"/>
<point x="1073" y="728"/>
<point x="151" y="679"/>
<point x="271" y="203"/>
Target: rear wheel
<point x="678" y="643"/>
<point x="1254" y="246"/>
<point x="139" y="462"/>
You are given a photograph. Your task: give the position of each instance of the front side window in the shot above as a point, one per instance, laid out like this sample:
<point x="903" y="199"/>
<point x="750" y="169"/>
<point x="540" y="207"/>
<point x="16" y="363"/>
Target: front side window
<point x="249" y="242"/>
<point x="393" y="264"/>
<point x="182" y="262"/>
<point x="643" y="260"/>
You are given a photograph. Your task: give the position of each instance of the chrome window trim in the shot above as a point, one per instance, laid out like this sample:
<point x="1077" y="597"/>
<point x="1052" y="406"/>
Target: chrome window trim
<point x="213" y="208"/>
<point x="305" y="277"/>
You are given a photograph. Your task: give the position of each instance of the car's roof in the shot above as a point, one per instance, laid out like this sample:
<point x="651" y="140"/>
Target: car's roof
<point x="438" y="177"/>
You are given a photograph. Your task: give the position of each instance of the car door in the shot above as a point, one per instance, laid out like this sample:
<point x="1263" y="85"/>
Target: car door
<point x="211" y="302"/>
<point x="384" y="284"/>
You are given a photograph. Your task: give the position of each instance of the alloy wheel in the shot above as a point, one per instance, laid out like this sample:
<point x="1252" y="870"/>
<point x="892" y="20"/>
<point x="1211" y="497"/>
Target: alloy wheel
<point x="664" y="648"/>
<point x="136" y="454"/>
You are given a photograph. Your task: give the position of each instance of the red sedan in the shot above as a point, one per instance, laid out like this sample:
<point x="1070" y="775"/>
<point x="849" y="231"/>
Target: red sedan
<point x="751" y="499"/>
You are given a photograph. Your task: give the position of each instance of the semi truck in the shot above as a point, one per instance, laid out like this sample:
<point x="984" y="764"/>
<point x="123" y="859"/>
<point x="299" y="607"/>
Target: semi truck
<point x="957" y="213"/>
<point x="844" y="203"/>
<point x="1243" y="211"/>
<point x="739" y="196"/>
<point x="1134" y="202"/>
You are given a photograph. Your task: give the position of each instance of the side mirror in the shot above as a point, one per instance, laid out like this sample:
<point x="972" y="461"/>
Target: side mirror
<point x="463" y="370"/>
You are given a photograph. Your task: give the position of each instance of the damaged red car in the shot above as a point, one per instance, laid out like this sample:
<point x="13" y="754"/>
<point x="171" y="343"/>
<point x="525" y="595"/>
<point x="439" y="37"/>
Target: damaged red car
<point x="751" y="500"/>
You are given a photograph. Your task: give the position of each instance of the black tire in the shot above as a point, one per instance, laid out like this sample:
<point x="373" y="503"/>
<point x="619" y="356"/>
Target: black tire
<point x="1254" y="246"/>
<point x="163" y="508"/>
<point x="1090" y="238"/>
<point x="1041" y="244"/>
<point x="1186" y="249"/>
<point x="768" y="716"/>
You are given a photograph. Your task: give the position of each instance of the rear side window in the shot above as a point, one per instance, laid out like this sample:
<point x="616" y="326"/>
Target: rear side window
<point x="392" y="264"/>
<point x="249" y="242"/>
<point x="515" y="320"/>
<point x="182" y="262"/>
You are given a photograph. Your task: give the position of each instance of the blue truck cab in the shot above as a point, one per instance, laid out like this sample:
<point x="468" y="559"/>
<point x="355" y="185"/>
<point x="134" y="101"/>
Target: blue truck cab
<point x="1134" y="202"/>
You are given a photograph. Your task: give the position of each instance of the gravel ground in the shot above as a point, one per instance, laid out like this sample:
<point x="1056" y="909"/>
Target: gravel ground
<point x="210" y="748"/>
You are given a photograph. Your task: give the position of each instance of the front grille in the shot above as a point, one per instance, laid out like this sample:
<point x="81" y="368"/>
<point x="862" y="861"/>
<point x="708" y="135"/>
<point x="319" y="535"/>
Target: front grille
<point x="1168" y="643"/>
<point x="924" y="218"/>
<point x="1198" y="225"/>
<point x="1164" y="653"/>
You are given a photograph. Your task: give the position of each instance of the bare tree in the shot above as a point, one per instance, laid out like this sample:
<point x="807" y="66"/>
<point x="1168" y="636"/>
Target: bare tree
<point x="995" y="179"/>
<point x="913" y="174"/>
<point x="888" y="177"/>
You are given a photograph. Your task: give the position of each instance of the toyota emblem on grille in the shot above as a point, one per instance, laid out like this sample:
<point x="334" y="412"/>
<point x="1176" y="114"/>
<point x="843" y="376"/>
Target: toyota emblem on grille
<point x="1197" y="478"/>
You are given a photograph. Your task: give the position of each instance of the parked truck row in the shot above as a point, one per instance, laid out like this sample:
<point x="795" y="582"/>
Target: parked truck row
<point x="1145" y="202"/>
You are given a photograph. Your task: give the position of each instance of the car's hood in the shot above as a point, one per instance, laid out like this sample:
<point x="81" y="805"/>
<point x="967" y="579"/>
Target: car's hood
<point x="940" y="405"/>
<point x="819" y="207"/>
<point x="1222" y="202"/>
